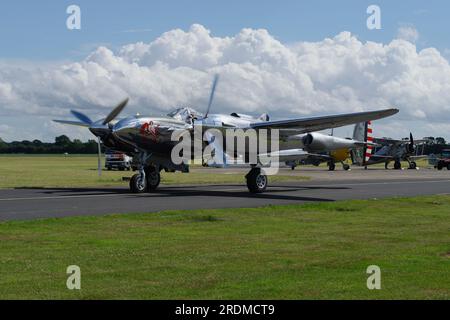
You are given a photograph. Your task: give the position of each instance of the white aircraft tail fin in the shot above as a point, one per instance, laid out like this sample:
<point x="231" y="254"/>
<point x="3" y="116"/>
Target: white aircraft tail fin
<point x="363" y="132"/>
<point x="264" y="117"/>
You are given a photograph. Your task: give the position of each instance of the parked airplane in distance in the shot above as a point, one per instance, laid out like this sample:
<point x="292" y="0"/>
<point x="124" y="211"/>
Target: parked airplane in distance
<point x="391" y="149"/>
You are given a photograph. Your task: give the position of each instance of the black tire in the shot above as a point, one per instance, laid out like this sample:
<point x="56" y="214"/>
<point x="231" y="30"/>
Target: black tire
<point x="346" y="167"/>
<point x="448" y="166"/>
<point x="413" y="165"/>
<point x="136" y="186"/>
<point x="331" y="166"/>
<point x="256" y="182"/>
<point x="108" y="168"/>
<point x="153" y="180"/>
<point x="397" y="165"/>
<point x="293" y="168"/>
<point x="440" y="166"/>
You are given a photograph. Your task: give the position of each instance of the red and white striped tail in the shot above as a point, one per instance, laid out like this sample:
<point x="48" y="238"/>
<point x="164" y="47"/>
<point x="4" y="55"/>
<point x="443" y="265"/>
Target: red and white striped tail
<point x="369" y="139"/>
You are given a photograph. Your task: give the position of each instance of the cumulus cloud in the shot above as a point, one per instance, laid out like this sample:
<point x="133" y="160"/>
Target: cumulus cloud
<point x="408" y="33"/>
<point x="258" y="74"/>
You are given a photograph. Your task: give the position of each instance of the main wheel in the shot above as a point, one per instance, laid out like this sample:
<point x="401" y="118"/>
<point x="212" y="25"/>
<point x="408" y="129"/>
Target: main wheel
<point x="256" y="182"/>
<point x="346" y="167"/>
<point x="440" y="166"/>
<point x="413" y="165"/>
<point x="448" y="166"/>
<point x="397" y="165"/>
<point x="153" y="180"/>
<point x="331" y="166"/>
<point x="138" y="185"/>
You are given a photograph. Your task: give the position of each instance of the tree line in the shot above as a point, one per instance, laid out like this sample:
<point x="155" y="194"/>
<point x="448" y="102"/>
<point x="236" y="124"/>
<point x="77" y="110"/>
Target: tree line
<point x="62" y="144"/>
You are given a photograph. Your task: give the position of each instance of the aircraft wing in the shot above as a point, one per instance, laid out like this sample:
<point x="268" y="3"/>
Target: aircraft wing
<point x="325" y="122"/>
<point x="293" y="155"/>
<point x="419" y="157"/>
<point x="385" y="141"/>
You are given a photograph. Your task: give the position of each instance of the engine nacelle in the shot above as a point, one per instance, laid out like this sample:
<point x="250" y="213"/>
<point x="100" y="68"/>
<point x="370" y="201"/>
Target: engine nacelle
<point x="317" y="142"/>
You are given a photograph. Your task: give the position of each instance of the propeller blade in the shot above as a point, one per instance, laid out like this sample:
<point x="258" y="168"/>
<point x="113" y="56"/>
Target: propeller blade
<point x="72" y="123"/>
<point x="116" y="111"/>
<point x="82" y="117"/>
<point x="211" y="97"/>
<point x="411" y="146"/>
<point x="99" y="157"/>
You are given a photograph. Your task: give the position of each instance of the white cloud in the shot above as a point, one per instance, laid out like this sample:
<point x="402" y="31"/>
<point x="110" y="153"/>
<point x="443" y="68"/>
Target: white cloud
<point x="408" y="33"/>
<point x="258" y="74"/>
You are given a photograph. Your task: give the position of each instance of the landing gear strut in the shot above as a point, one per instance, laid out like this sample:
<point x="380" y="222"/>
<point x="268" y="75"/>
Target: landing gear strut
<point x="256" y="181"/>
<point x="147" y="179"/>
<point x="331" y="166"/>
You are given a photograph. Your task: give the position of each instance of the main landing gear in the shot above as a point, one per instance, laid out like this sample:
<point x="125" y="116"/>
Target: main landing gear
<point x="413" y="165"/>
<point x="332" y="166"/>
<point x="257" y="181"/>
<point x="147" y="179"/>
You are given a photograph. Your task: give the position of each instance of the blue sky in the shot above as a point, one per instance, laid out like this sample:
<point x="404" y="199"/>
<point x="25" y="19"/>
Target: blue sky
<point x="36" y="29"/>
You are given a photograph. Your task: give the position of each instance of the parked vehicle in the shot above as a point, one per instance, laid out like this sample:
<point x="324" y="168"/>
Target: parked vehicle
<point x="117" y="160"/>
<point x="441" y="162"/>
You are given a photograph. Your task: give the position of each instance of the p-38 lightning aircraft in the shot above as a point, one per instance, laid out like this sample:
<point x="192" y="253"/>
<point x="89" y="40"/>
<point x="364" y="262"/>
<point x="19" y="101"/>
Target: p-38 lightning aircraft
<point x="149" y="139"/>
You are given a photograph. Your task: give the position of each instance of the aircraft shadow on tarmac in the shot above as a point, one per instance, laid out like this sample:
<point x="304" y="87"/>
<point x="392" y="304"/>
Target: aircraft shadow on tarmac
<point x="272" y="193"/>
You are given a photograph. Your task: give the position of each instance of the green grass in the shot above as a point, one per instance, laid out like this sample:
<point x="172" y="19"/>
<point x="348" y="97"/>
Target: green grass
<point x="81" y="171"/>
<point x="311" y="251"/>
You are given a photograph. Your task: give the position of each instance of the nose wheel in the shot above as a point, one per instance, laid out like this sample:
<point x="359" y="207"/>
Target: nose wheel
<point x="256" y="181"/>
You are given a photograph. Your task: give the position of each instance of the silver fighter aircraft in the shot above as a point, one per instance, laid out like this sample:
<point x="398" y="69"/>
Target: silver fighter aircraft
<point x="149" y="139"/>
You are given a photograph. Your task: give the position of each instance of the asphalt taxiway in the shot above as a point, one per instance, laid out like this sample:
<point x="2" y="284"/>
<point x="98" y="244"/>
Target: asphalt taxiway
<point x="30" y="203"/>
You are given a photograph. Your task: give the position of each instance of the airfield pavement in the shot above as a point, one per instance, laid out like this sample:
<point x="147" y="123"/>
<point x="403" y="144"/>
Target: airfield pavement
<point x="34" y="203"/>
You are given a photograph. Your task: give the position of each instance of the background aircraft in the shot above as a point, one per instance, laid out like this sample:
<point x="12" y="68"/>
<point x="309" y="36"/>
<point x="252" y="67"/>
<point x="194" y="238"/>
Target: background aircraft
<point x="391" y="149"/>
<point x="322" y="148"/>
<point x="149" y="139"/>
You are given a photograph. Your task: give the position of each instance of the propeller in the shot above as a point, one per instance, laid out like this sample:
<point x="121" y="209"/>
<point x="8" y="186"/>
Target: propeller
<point x="115" y="112"/>
<point x="82" y="117"/>
<point x="211" y="96"/>
<point x="411" y="146"/>
<point x="85" y="121"/>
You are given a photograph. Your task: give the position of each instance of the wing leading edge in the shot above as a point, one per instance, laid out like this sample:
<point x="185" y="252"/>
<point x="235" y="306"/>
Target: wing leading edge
<point x="325" y="122"/>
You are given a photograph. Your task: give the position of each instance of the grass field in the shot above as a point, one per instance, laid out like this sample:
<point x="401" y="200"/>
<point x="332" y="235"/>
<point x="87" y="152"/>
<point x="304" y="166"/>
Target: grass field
<point x="311" y="251"/>
<point x="81" y="171"/>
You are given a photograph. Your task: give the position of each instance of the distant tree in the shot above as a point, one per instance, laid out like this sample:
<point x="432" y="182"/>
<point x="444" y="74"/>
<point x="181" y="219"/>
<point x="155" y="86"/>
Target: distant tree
<point x="62" y="140"/>
<point x="440" y="140"/>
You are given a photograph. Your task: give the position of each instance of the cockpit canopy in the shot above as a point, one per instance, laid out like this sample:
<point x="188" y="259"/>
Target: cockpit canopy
<point x="185" y="114"/>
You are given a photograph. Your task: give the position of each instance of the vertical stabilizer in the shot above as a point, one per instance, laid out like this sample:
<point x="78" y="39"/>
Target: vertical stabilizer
<point x="363" y="132"/>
